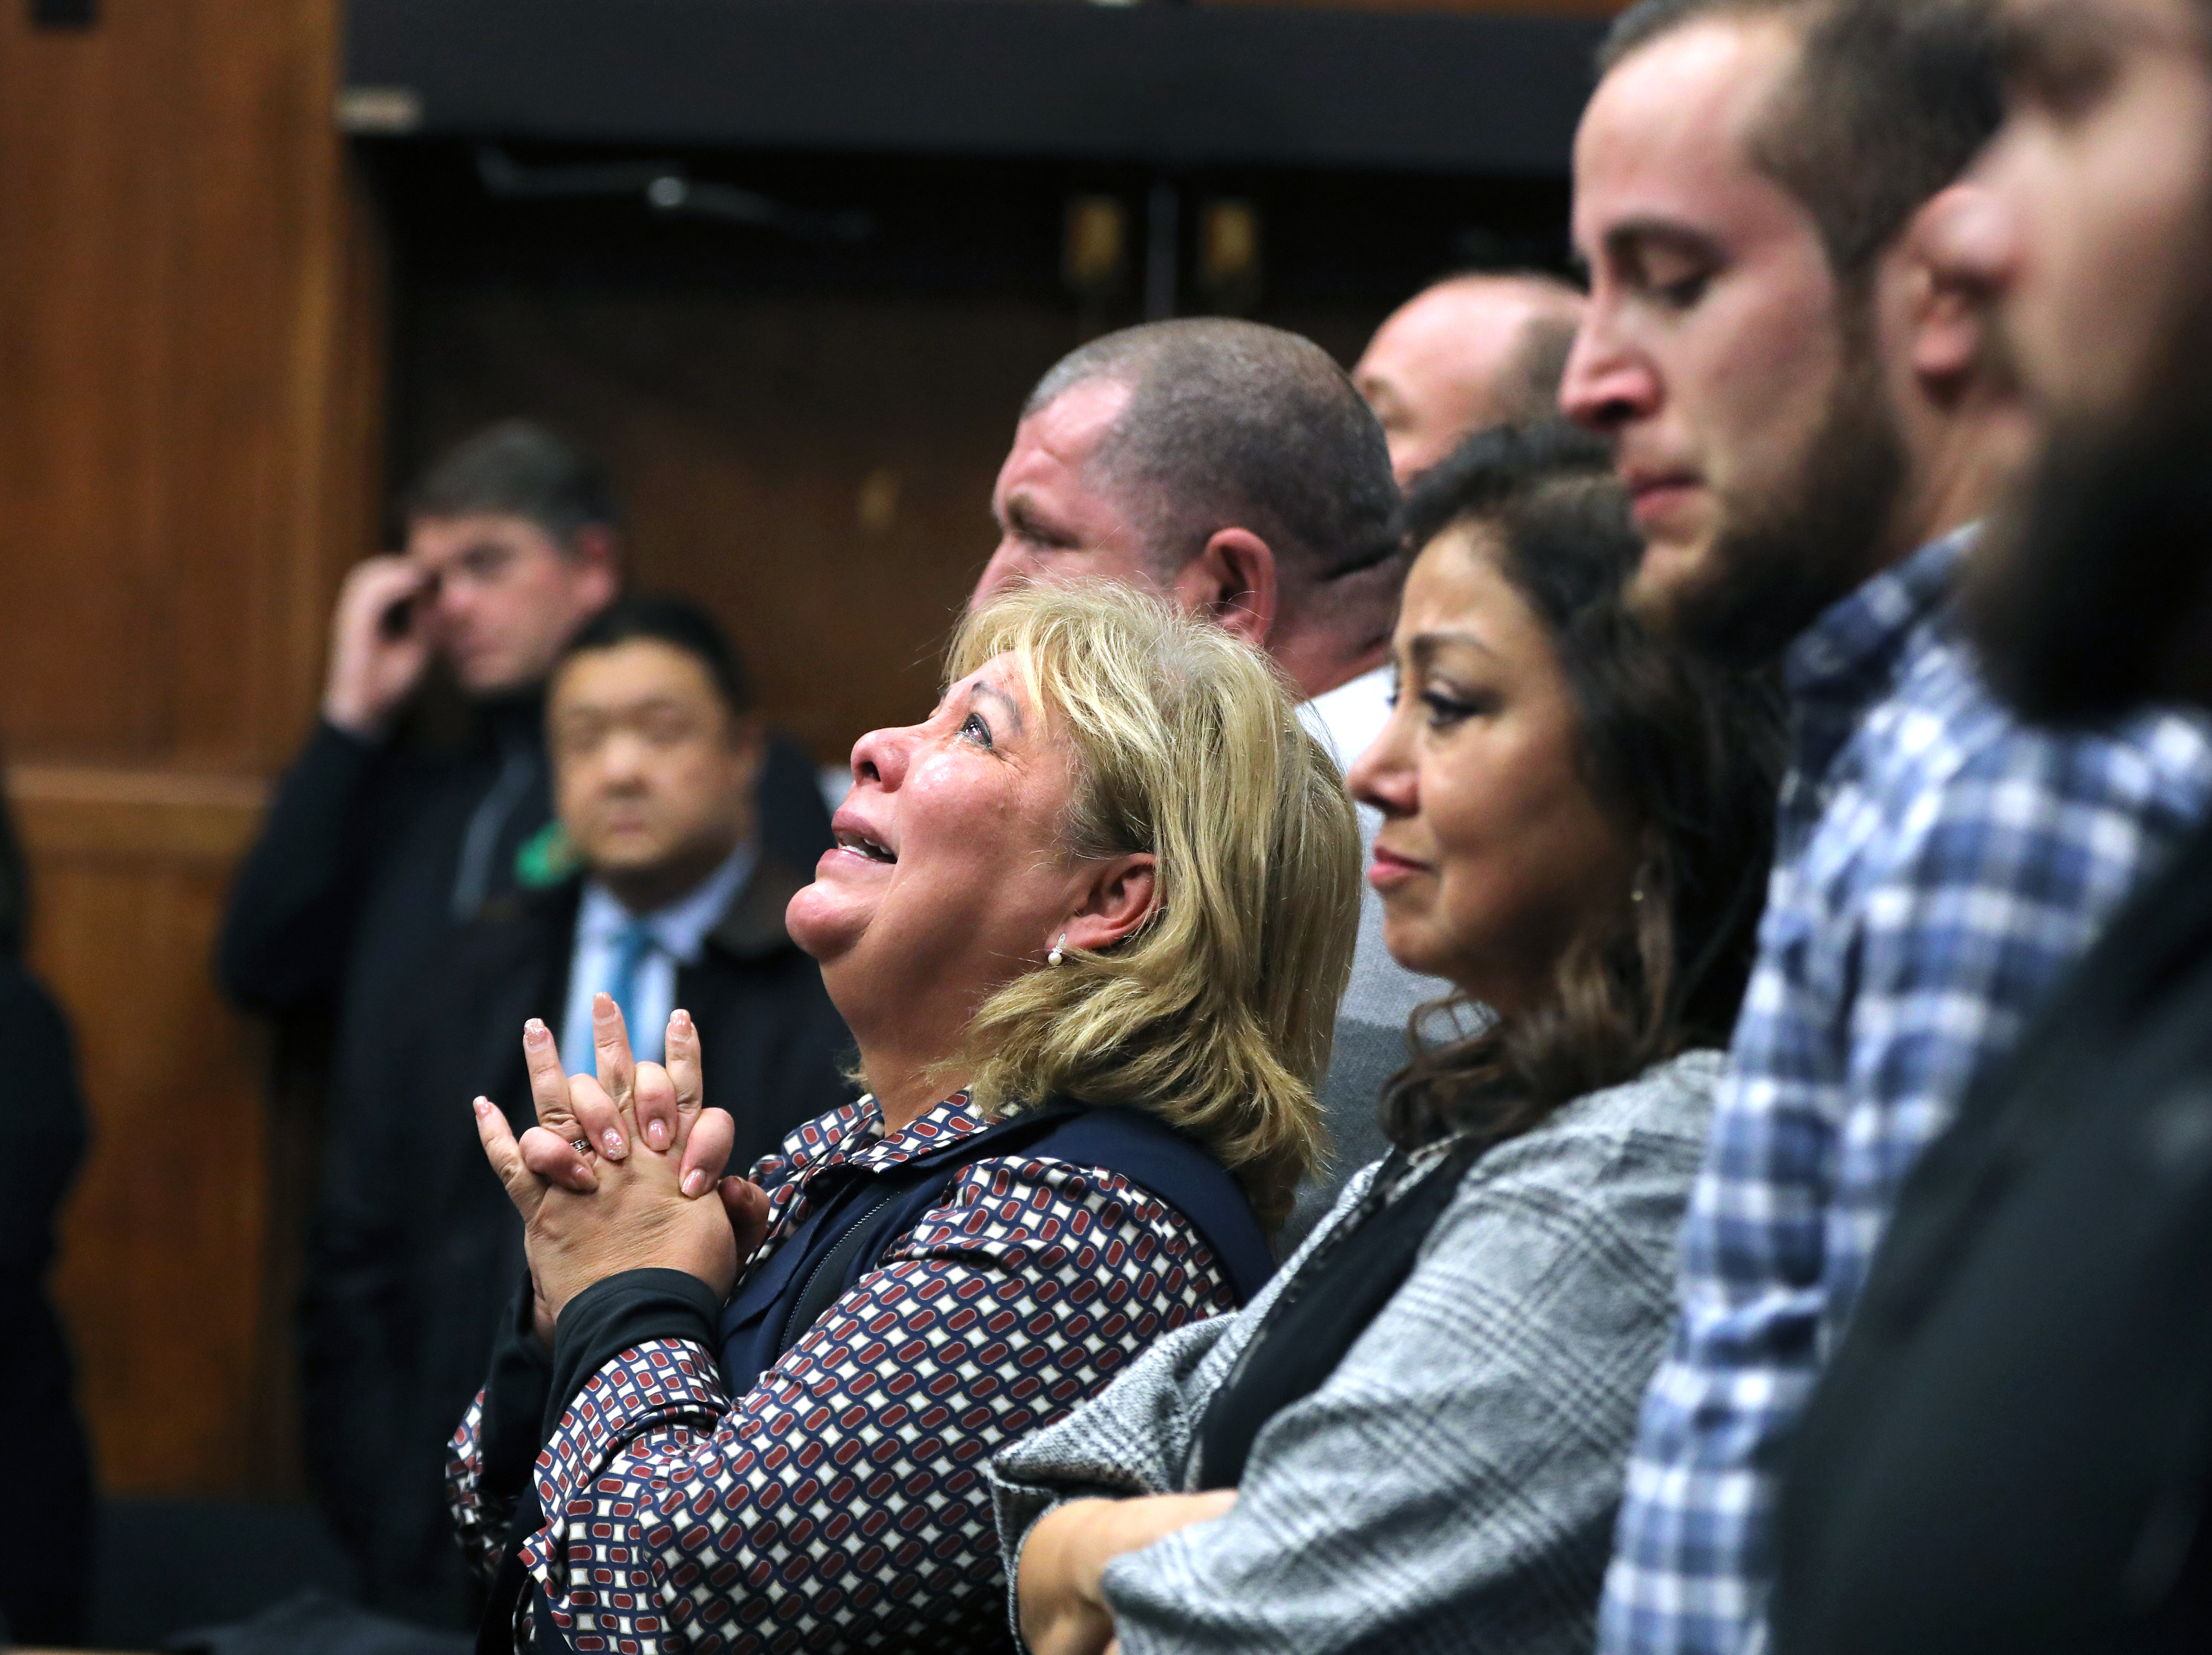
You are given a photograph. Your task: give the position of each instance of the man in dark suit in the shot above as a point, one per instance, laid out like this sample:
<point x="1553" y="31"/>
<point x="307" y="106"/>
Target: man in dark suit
<point x="659" y="890"/>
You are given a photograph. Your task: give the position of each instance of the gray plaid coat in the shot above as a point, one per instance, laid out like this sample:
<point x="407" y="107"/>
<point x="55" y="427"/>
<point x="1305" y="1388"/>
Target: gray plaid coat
<point x="1452" y="1485"/>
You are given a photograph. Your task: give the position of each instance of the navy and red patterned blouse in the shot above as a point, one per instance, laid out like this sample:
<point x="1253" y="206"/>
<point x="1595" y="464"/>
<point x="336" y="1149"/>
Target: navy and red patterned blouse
<point x="840" y="1503"/>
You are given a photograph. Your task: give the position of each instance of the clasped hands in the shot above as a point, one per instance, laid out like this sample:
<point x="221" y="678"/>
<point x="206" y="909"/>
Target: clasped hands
<point x="635" y="1200"/>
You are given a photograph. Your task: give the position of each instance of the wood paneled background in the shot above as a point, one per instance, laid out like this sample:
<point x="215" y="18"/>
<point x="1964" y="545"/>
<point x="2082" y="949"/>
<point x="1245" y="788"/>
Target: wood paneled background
<point x="216" y="327"/>
<point x="189" y="325"/>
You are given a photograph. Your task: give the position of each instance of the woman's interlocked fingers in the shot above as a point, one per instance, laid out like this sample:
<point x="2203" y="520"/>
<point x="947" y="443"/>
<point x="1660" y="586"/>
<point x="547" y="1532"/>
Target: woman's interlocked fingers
<point x="591" y="1205"/>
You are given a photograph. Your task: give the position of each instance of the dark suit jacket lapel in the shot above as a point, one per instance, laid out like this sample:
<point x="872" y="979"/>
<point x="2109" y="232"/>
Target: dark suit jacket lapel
<point x="524" y="967"/>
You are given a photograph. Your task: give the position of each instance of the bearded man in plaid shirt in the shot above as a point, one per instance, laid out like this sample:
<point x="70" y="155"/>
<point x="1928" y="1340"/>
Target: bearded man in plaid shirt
<point x="1811" y="415"/>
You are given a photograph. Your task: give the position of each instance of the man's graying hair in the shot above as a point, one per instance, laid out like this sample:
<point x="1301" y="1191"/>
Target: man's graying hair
<point x="518" y="469"/>
<point x="1889" y="101"/>
<point x="1231" y="424"/>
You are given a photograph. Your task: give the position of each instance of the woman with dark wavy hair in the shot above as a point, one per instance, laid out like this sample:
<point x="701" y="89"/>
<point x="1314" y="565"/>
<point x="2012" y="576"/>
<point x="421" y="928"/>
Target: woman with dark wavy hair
<point x="1413" y="1438"/>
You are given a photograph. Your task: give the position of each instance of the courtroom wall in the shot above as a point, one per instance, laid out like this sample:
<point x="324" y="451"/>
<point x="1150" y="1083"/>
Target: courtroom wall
<point x="189" y="322"/>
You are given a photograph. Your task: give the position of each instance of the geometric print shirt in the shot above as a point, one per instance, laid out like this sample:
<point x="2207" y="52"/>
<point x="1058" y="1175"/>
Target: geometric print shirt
<point x="1939" y="866"/>
<point x="839" y="1504"/>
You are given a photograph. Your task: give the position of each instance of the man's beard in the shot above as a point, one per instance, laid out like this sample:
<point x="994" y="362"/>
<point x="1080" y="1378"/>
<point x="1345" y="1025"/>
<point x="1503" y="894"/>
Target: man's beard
<point x="2094" y="596"/>
<point x="1775" y="563"/>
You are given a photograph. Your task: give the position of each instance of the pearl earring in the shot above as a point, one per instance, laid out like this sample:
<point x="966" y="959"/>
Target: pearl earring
<point x="1056" y="956"/>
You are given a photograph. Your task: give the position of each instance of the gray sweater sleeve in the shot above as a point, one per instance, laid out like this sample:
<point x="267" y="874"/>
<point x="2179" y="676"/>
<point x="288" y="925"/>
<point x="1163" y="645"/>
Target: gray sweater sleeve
<point x="1136" y="1435"/>
<point x="1451" y="1486"/>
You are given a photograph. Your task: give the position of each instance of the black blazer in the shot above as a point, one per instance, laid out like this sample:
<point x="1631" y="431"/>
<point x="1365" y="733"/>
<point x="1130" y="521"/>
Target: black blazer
<point x="46" y="1522"/>
<point x="417" y="1248"/>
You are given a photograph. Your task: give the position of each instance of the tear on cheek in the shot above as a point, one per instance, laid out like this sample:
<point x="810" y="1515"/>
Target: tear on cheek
<point x="926" y="779"/>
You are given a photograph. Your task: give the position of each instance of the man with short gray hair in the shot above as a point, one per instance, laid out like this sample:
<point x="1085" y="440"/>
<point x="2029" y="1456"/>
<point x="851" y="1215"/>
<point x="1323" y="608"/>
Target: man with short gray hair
<point x="1229" y="465"/>
<point x="1234" y="468"/>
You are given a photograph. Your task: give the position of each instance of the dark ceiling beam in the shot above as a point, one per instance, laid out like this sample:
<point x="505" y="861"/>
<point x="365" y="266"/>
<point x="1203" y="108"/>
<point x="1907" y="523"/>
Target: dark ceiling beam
<point x="1158" y="86"/>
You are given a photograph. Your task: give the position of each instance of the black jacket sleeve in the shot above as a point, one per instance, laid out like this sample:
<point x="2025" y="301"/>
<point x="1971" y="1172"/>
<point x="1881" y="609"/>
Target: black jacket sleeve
<point x="290" y="923"/>
<point x="516" y="1395"/>
<point x="619" y="1314"/>
<point x="528" y="1389"/>
<point x="360" y="1310"/>
<point x="42" y="1115"/>
<point x="45" y="1526"/>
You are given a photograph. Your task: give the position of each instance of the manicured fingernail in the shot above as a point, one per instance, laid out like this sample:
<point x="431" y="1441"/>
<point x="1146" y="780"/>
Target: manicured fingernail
<point x="694" y="1181"/>
<point x="656" y="1134"/>
<point x="679" y="1018"/>
<point x="534" y="1029"/>
<point x="612" y="1140"/>
<point x="482" y="1107"/>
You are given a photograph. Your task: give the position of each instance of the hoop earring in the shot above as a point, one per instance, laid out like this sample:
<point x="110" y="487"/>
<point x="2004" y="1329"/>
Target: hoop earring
<point x="1056" y="956"/>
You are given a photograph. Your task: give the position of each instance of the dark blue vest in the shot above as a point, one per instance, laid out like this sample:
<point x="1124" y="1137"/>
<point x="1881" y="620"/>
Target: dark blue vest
<point x="859" y="1214"/>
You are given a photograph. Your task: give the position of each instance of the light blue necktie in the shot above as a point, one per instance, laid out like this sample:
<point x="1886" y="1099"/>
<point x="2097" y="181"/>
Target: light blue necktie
<point x="632" y="943"/>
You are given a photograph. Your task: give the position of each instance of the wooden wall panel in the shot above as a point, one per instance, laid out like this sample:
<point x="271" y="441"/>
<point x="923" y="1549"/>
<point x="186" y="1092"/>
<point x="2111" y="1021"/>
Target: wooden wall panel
<point x="177" y="253"/>
<point x="806" y="432"/>
<point x="190" y="332"/>
<point x="165" y="1260"/>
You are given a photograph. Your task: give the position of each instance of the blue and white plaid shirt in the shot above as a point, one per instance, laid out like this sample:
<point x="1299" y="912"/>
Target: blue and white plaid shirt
<point x="1938" y="868"/>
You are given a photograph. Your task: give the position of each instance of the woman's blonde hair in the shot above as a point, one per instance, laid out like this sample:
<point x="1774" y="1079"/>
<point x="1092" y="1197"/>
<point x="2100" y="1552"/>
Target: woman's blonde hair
<point x="1218" y="1014"/>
